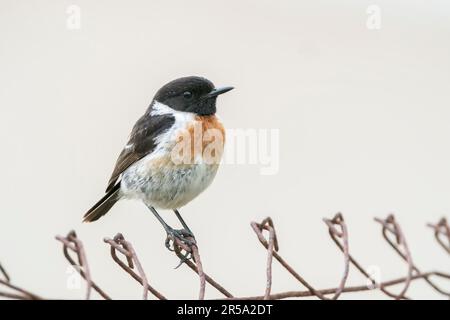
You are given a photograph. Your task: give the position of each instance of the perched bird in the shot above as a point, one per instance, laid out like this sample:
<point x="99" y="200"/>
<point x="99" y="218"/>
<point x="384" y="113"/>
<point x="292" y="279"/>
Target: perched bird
<point x="149" y="167"/>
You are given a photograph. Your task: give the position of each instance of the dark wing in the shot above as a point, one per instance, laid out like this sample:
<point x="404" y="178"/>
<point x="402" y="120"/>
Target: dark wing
<point x="141" y="142"/>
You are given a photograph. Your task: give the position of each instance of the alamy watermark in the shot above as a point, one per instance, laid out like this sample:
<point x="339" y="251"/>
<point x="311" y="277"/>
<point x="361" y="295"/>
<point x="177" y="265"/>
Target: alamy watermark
<point x="373" y="21"/>
<point x="74" y="279"/>
<point x="73" y="20"/>
<point x="374" y="273"/>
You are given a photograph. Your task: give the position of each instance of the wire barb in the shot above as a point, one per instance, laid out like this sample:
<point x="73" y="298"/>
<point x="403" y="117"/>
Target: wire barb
<point x="342" y="234"/>
<point x="72" y="243"/>
<point x="118" y="243"/>
<point x="442" y="233"/>
<point x="192" y="250"/>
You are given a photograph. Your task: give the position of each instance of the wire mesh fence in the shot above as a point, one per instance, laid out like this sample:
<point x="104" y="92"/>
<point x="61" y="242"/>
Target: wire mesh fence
<point x="124" y="255"/>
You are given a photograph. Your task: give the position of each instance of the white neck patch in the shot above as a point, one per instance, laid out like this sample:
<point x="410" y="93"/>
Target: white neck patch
<point x="182" y="120"/>
<point x="159" y="108"/>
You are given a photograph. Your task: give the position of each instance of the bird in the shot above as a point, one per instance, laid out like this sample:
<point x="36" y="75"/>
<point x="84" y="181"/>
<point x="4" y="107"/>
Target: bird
<point x="163" y="164"/>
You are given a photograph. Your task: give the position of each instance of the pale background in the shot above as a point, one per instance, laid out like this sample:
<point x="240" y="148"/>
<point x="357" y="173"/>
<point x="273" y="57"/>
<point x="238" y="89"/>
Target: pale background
<point x="364" y="129"/>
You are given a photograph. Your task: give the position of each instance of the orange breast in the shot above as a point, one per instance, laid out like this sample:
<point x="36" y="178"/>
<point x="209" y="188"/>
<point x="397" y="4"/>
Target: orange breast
<point x="206" y="138"/>
<point x="211" y="122"/>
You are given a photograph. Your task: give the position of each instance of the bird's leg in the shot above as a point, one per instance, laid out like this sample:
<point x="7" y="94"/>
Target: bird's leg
<point x="185" y="231"/>
<point x="181" y="235"/>
<point x="185" y="226"/>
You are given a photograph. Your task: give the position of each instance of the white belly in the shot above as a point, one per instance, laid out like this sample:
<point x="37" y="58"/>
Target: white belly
<point x="166" y="186"/>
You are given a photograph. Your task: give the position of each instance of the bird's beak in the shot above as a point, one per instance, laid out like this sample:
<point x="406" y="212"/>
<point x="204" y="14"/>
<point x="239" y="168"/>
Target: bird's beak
<point x="218" y="91"/>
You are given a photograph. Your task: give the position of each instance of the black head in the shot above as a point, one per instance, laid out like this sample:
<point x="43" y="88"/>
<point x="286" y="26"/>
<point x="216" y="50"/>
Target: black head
<point x="191" y="94"/>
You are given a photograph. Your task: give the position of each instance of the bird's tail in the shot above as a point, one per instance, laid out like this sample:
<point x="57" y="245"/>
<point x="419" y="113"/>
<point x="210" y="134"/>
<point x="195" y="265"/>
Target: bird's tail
<point x="103" y="205"/>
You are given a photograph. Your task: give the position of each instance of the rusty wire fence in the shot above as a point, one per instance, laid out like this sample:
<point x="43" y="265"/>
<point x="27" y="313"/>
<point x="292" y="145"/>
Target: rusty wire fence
<point x="124" y="255"/>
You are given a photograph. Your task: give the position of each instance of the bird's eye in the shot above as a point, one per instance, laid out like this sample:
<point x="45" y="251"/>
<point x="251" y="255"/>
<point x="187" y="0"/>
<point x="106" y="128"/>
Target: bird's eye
<point x="187" y="95"/>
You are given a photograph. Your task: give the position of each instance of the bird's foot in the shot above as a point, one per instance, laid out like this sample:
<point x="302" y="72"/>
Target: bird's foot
<point x="182" y="238"/>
